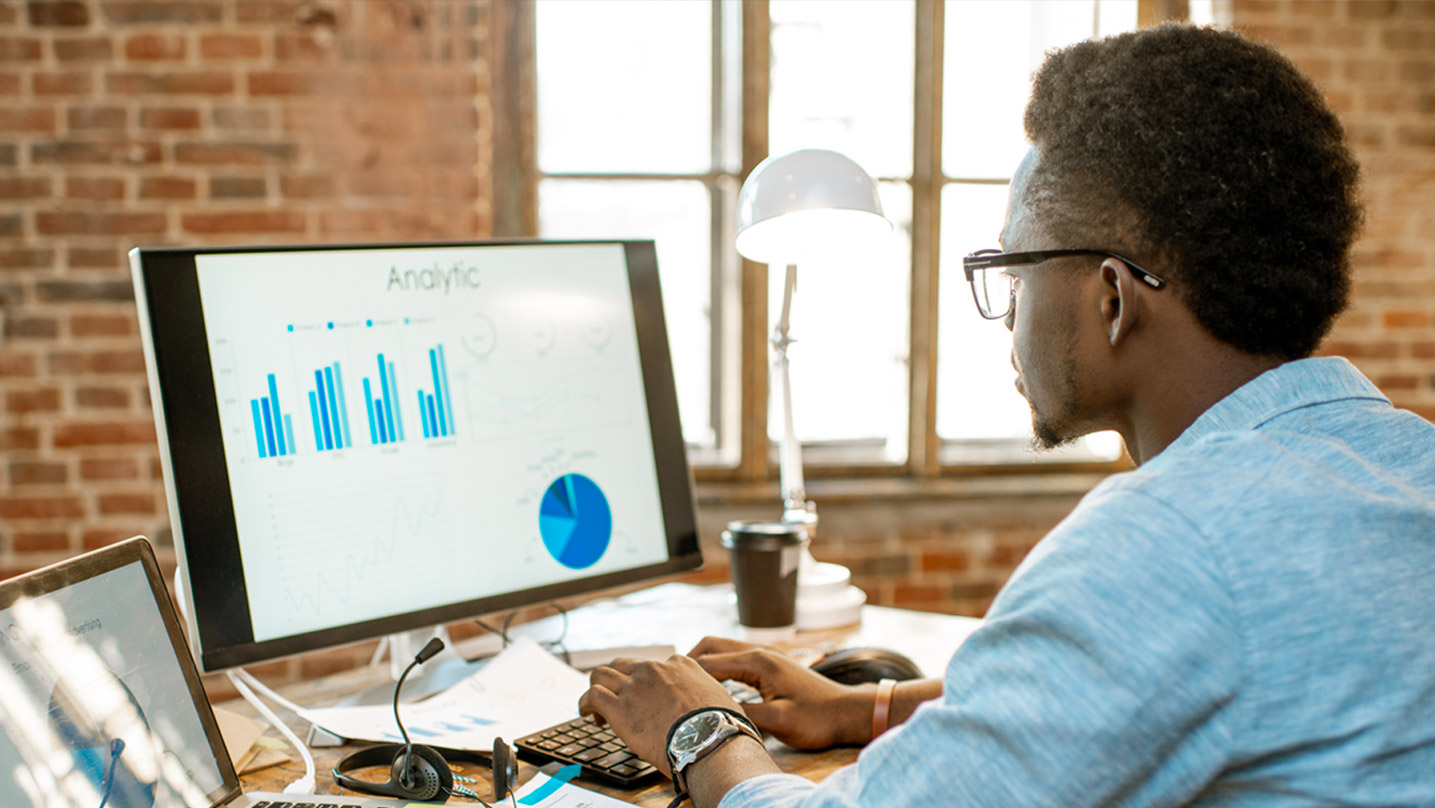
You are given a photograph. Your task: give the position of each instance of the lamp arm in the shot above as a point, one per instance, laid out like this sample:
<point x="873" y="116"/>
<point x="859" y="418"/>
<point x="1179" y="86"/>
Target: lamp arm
<point x="795" y="507"/>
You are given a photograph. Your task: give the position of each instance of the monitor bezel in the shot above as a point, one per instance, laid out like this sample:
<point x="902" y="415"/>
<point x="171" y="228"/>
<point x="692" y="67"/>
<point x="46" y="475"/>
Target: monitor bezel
<point x="196" y="477"/>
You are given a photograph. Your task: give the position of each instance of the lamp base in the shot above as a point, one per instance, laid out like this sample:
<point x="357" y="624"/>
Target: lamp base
<point x="825" y="596"/>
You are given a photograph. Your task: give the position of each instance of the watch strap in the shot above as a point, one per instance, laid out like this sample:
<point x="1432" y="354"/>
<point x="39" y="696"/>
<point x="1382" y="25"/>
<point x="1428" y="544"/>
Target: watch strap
<point x="678" y="781"/>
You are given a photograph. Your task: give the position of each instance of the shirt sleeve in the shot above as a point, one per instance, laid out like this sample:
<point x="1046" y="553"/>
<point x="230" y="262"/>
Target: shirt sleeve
<point x="1105" y="674"/>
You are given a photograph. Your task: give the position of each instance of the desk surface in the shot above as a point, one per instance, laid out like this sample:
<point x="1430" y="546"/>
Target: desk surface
<point x="671" y="614"/>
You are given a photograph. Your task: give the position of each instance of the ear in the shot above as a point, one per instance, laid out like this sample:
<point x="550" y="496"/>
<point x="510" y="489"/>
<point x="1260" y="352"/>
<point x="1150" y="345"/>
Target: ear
<point x="1120" y="300"/>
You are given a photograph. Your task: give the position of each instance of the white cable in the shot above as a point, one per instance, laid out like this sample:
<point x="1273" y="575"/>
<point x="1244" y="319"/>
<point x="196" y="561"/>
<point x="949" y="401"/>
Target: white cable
<point x="268" y="693"/>
<point x="306" y="784"/>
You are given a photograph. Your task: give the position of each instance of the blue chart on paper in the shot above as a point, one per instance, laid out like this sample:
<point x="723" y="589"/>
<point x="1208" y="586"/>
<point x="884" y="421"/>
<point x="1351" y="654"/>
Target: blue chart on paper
<point x="575" y="521"/>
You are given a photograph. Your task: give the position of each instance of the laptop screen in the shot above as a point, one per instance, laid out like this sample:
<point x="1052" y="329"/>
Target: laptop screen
<point x="95" y="708"/>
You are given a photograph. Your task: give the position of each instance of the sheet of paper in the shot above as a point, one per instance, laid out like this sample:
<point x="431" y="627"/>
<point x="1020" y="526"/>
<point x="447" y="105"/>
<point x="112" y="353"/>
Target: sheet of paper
<point x="522" y="690"/>
<point x="239" y="731"/>
<point x="547" y="792"/>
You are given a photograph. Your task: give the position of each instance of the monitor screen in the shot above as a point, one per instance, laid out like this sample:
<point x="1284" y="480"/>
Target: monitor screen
<point x="370" y="439"/>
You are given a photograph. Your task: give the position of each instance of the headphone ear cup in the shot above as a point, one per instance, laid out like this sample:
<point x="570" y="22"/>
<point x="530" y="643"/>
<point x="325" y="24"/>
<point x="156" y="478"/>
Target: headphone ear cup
<point x="426" y="776"/>
<point x="505" y="769"/>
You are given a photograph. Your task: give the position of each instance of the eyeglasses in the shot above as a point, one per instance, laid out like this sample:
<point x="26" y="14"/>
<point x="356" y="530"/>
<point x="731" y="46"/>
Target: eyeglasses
<point x="993" y="288"/>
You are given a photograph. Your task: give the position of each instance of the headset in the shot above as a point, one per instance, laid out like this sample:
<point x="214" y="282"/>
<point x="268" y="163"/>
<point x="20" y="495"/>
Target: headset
<point x="418" y="772"/>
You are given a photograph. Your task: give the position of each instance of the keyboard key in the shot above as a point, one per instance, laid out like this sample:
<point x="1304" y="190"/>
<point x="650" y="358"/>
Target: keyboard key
<point x="613" y="759"/>
<point x="588" y="755"/>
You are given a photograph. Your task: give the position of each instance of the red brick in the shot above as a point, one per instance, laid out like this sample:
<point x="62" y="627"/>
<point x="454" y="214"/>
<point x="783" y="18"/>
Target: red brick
<point x="169" y="118"/>
<point x="170" y="83"/>
<point x="95" y="188"/>
<point x="25" y="472"/>
<point x="27" y="119"/>
<point x="154" y="47"/>
<point x="104" y="433"/>
<point x="16" y="438"/>
<point x="235" y="153"/>
<point x="242" y="118"/>
<point x="253" y="221"/>
<point x="17" y="364"/>
<point x="12" y="224"/>
<point x="314" y="186"/>
<point x="276" y="82"/>
<point x="150" y="12"/>
<point x="9" y="83"/>
<point x="57" y="13"/>
<point x="27" y="258"/>
<point x="9" y="15"/>
<point x="95" y="258"/>
<point x="99" y="537"/>
<point x="1396" y="381"/>
<point x="97" y="118"/>
<point x="99" y="398"/>
<point x="113" y="468"/>
<point x="96" y="325"/>
<point x="25" y="401"/>
<point x="100" y="224"/>
<point x="126" y="503"/>
<point x="301" y="47"/>
<point x="41" y="541"/>
<point x="85" y="49"/>
<point x="1406" y="319"/>
<point x="230" y="46"/>
<point x="1411" y="39"/>
<point x="63" y="83"/>
<point x="19" y="49"/>
<point x="167" y="188"/>
<point x="24" y="187"/>
<point x="22" y="327"/>
<point x="63" y="363"/>
<point x="1371" y="9"/>
<point x="62" y="507"/>
<point x="107" y="153"/>
<point x="944" y="562"/>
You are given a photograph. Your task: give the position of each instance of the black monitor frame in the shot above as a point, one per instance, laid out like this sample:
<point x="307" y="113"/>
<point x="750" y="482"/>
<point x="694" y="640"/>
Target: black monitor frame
<point x="196" y="475"/>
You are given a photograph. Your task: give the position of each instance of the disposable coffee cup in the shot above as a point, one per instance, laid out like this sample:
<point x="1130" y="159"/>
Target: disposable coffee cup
<point x="765" y="557"/>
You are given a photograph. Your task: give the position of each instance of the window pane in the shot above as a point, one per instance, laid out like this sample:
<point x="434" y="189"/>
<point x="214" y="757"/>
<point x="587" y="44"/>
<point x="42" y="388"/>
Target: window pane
<point x="676" y="214"/>
<point x="624" y="86"/>
<point x="849" y="364"/>
<point x="842" y="77"/>
<point x="992" y="48"/>
<point x="976" y="398"/>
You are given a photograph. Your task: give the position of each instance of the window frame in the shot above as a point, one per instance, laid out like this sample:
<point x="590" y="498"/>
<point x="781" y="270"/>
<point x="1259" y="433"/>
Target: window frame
<point x="740" y="287"/>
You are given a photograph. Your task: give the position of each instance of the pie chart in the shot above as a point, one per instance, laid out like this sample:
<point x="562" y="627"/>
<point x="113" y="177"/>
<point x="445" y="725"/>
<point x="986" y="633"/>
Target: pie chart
<point x="575" y="521"/>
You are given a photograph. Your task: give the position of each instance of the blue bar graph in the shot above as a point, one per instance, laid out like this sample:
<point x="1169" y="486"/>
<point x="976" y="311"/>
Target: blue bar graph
<point x="329" y="409"/>
<point x="273" y="428"/>
<point x="385" y="422"/>
<point x="437" y="408"/>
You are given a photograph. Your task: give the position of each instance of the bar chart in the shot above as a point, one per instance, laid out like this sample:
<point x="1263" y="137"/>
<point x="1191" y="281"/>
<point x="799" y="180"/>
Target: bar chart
<point x="273" y="429"/>
<point x="436" y="408"/>
<point x="328" y="410"/>
<point x="386" y="423"/>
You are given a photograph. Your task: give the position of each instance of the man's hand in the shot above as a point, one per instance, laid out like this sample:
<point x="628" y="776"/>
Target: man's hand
<point x="802" y="709"/>
<point x="641" y="700"/>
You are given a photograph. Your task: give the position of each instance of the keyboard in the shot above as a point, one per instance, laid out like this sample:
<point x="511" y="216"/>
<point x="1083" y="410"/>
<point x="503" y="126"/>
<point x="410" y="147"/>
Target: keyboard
<point x="601" y="754"/>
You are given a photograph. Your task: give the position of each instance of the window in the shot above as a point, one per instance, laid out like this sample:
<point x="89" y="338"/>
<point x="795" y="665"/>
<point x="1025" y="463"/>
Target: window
<point x="641" y="133"/>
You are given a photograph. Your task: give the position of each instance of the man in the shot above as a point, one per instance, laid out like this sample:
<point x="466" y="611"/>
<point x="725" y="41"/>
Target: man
<point x="1246" y="619"/>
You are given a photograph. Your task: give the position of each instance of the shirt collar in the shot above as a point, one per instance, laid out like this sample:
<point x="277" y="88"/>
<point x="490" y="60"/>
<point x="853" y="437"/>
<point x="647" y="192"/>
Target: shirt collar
<point x="1287" y="387"/>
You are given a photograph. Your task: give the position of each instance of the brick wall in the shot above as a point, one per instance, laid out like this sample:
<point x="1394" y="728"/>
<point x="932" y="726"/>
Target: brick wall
<point x="125" y="123"/>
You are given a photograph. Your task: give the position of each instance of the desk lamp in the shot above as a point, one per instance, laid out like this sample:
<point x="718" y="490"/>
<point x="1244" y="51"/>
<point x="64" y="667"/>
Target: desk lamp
<point x="802" y="207"/>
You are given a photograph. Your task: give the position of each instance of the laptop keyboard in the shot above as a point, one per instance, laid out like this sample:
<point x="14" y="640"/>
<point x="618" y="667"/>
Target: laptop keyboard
<point x="601" y="754"/>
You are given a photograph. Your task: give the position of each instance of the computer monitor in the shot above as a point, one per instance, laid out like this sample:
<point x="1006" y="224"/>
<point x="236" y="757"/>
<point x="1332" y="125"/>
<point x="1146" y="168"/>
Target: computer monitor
<point x="371" y="439"/>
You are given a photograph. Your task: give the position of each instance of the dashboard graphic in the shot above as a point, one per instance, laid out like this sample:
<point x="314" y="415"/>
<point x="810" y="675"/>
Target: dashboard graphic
<point x="575" y="521"/>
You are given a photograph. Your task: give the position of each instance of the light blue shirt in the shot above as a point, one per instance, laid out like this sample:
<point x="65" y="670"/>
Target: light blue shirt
<point x="1246" y="620"/>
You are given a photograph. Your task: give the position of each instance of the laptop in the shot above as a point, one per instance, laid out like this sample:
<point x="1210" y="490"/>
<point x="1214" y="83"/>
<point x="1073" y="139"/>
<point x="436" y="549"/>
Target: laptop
<point x="100" y="702"/>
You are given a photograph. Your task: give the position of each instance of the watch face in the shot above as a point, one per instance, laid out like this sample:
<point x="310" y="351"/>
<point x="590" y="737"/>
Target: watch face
<point x="696" y="730"/>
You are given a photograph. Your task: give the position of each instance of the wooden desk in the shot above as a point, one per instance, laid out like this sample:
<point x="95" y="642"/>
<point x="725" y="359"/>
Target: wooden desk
<point x="671" y="614"/>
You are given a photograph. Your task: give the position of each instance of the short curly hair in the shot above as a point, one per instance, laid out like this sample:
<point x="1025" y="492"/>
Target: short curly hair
<point x="1230" y="166"/>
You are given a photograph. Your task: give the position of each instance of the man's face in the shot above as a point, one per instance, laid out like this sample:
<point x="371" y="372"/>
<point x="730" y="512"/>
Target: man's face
<point x="1044" y="322"/>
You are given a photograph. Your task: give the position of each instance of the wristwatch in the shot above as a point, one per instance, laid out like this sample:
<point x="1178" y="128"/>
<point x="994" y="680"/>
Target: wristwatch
<point x="701" y="733"/>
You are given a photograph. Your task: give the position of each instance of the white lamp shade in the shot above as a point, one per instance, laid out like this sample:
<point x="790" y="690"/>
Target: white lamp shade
<point x="810" y="203"/>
